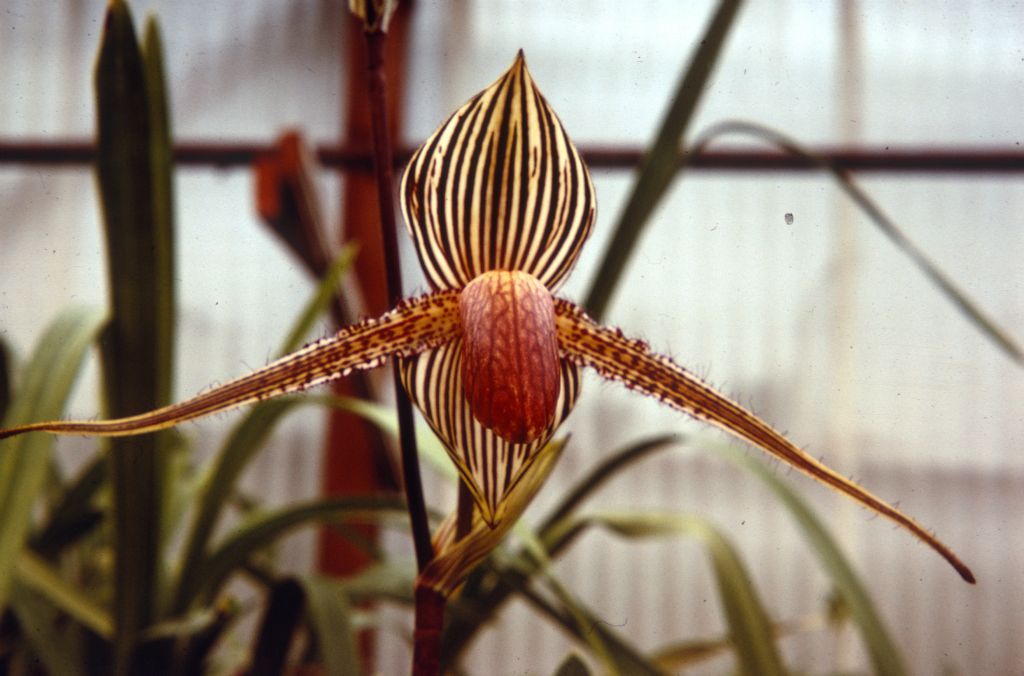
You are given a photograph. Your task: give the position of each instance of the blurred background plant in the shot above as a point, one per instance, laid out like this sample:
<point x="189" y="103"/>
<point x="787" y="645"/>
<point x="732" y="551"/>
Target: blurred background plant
<point x="203" y="581"/>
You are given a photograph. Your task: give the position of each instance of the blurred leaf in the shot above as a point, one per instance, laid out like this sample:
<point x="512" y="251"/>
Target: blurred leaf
<point x="605" y="471"/>
<point x="161" y="156"/>
<point x="264" y="529"/>
<point x="133" y="167"/>
<point x="45" y="384"/>
<point x="46" y="581"/>
<point x="329" y="611"/>
<point x="5" y="378"/>
<point x="321" y="299"/>
<point x="884" y="655"/>
<point x="582" y="616"/>
<point x="248" y="437"/>
<point x="74" y="514"/>
<point x="573" y="665"/>
<point x="975" y="315"/>
<point x="678" y="656"/>
<point x="39" y="625"/>
<point x="583" y="623"/>
<point x="245" y="440"/>
<point x="461" y="630"/>
<point x="388" y="580"/>
<point x="749" y="625"/>
<point x="385" y="418"/>
<point x="191" y="623"/>
<point x="661" y="163"/>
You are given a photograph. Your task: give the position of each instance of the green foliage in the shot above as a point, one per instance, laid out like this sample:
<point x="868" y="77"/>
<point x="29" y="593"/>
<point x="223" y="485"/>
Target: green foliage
<point x="45" y="384"/>
<point x="133" y="168"/>
<point x="661" y="162"/>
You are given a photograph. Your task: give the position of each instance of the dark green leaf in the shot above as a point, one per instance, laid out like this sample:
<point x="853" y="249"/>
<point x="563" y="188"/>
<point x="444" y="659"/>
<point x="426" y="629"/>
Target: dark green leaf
<point x="661" y="163"/>
<point x="604" y="472"/>
<point x="132" y="163"/>
<point x="74" y="514"/>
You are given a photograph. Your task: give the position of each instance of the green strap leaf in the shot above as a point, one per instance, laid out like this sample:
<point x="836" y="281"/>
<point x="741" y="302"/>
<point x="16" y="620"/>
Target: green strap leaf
<point x="245" y="440"/>
<point x="5" y="378"/>
<point x="46" y="383"/>
<point x="884" y="655"/>
<point x="40" y="626"/>
<point x="320" y="300"/>
<point x="330" y="616"/>
<point x="37" y="574"/>
<point x="134" y="175"/>
<point x="970" y="309"/>
<point x="661" y="162"/>
<point x="749" y="625"/>
<point x="264" y="529"/>
<point x="604" y="472"/>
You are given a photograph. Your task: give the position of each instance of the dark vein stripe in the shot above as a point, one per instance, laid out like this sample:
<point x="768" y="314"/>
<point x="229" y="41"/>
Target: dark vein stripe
<point x="499" y="186"/>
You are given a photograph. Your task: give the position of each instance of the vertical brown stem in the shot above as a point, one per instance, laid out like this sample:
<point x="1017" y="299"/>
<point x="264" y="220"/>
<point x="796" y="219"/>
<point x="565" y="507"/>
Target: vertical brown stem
<point x="426" y="659"/>
<point x="382" y="161"/>
<point x="429" y="604"/>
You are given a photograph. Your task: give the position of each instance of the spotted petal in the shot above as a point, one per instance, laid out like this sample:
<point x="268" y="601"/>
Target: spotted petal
<point x="631" y="362"/>
<point x="412" y="327"/>
<point x="499" y="186"/>
<point x="489" y="465"/>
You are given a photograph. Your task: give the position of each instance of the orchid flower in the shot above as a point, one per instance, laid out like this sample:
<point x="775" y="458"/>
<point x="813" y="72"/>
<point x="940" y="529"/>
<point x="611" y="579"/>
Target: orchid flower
<point x="499" y="204"/>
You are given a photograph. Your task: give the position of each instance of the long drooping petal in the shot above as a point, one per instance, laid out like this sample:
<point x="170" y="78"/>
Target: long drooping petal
<point x="414" y="326"/>
<point x="489" y="465"/>
<point x="499" y="186"/>
<point x="632" y="363"/>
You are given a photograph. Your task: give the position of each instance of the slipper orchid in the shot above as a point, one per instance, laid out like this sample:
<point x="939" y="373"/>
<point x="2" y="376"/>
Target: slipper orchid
<point x="498" y="203"/>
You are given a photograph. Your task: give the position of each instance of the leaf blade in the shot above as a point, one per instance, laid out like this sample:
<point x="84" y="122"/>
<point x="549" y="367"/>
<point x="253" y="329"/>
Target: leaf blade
<point x="661" y="163"/>
<point x="47" y="381"/>
<point x="884" y="655"/>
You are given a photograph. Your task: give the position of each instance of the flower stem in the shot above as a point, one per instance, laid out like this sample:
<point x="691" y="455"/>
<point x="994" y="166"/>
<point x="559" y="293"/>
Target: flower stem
<point x="382" y="161"/>
<point x="426" y="660"/>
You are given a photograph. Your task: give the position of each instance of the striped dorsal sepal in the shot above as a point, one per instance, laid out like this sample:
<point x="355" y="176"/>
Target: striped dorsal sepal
<point x="499" y="186"/>
<point x="414" y="326"/>
<point x="632" y="363"/>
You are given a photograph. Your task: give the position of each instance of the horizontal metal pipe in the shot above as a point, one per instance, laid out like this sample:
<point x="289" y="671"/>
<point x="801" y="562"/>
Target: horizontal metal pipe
<point x="888" y="159"/>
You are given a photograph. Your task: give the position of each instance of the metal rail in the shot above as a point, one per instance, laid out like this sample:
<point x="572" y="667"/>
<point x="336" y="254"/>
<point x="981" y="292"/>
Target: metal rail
<point x="962" y="160"/>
